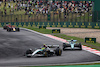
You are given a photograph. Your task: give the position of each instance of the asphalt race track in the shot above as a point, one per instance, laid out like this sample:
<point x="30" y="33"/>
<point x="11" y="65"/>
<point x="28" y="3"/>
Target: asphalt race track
<point x="14" y="44"/>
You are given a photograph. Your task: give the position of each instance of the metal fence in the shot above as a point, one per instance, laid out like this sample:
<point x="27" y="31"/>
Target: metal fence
<point x="51" y="17"/>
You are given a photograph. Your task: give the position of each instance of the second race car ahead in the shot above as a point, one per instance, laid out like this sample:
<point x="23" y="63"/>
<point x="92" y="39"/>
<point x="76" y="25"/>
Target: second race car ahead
<point x="46" y="50"/>
<point x="6" y="26"/>
<point x="72" y="45"/>
<point x="12" y="28"/>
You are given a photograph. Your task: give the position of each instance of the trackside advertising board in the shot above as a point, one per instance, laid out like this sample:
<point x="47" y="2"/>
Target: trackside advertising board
<point x="42" y="27"/>
<point x="95" y="25"/>
<point x="90" y="40"/>
<point x="55" y="30"/>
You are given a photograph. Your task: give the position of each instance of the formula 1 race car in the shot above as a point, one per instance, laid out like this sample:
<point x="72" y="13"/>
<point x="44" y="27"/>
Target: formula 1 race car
<point x="12" y="28"/>
<point x="72" y="45"/>
<point x="48" y="51"/>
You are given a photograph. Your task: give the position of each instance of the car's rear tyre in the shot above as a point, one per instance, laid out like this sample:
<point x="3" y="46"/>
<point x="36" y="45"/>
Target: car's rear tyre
<point x="58" y="52"/>
<point x="17" y="29"/>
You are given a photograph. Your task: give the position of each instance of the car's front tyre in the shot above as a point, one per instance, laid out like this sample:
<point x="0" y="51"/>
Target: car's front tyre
<point x="46" y="54"/>
<point x="80" y="46"/>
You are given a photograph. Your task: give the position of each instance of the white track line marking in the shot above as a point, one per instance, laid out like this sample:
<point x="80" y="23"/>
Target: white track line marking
<point x="91" y="50"/>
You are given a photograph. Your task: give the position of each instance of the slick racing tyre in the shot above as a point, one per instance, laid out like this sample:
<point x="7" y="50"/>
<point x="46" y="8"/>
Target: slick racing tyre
<point x="80" y="46"/>
<point x="64" y="46"/>
<point x="17" y="29"/>
<point x="58" y="52"/>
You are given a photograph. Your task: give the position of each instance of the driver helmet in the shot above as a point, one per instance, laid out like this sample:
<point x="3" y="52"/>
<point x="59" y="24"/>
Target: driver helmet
<point x="44" y="45"/>
<point x="71" y="39"/>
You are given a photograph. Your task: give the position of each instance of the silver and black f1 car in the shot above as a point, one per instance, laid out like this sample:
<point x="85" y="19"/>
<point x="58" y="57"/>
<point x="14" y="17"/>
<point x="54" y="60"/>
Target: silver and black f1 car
<point x="48" y="51"/>
<point x="72" y="45"/>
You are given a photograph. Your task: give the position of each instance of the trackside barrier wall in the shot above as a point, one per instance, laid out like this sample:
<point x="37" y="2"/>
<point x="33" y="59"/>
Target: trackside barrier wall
<point x="55" y="24"/>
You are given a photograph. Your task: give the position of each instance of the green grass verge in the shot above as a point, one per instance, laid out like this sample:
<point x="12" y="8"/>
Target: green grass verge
<point x="44" y="31"/>
<point x="48" y="31"/>
<point x="68" y="66"/>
